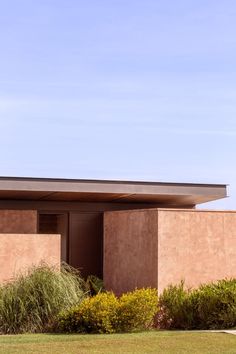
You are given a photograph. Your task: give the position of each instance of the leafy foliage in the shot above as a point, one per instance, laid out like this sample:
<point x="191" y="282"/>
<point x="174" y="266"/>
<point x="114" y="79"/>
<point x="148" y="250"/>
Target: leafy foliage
<point x="105" y="313"/>
<point x="137" y="309"/>
<point x="177" y="307"/>
<point x="216" y="305"/>
<point x="94" y="315"/>
<point x="94" y="285"/>
<point x="211" y="306"/>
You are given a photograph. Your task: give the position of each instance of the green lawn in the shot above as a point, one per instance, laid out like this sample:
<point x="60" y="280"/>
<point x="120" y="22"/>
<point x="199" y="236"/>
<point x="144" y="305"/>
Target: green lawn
<point x="163" y="342"/>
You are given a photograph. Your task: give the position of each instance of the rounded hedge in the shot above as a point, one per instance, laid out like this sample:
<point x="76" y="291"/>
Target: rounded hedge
<point x="105" y="313"/>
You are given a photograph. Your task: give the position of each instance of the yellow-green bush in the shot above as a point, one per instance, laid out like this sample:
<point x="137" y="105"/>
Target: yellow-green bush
<point x="105" y="313"/>
<point x="137" y="309"/>
<point x="97" y="314"/>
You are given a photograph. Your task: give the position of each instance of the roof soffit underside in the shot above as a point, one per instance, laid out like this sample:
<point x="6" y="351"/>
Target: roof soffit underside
<point x="106" y="191"/>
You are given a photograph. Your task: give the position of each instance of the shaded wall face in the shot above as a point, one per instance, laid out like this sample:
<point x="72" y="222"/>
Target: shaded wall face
<point x="18" y="221"/>
<point x="130" y="250"/>
<point x="19" y="252"/>
<point x="85" y="242"/>
<point x="197" y="246"/>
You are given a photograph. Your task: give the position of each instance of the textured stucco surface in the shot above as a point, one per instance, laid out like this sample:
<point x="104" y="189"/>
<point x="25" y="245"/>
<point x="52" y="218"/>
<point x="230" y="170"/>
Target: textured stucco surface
<point x="130" y="250"/>
<point x="18" y="252"/>
<point x="163" y="246"/>
<point x="18" y="221"/>
<point x="197" y="246"/>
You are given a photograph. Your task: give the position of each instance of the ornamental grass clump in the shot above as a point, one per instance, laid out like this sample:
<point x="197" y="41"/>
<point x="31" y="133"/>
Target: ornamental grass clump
<point x="105" y="313"/>
<point x="32" y="302"/>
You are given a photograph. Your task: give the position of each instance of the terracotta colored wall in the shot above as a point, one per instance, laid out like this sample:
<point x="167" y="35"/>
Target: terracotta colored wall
<point x="18" y="221"/>
<point x="18" y="252"/>
<point x="130" y="250"/>
<point x="197" y="246"/>
<point x="162" y="246"/>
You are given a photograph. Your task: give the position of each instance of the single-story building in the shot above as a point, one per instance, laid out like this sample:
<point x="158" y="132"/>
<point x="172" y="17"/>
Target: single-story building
<point x="131" y="234"/>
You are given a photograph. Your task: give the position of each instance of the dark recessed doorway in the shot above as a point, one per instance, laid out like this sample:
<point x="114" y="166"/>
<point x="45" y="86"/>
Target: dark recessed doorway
<point x="86" y="242"/>
<point x="81" y="238"/>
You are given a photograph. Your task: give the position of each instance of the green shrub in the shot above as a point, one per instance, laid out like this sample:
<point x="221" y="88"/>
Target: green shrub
<point x="216" y="305"/>
<point x="211" y="306"/>
<point x="177" y="307"/>
<point x="32" y="302"/>
<point x="137" y="310"/>
<point x="105" y="313"/>
<point x="94" y="285"/>
<point x="97" y="314"/>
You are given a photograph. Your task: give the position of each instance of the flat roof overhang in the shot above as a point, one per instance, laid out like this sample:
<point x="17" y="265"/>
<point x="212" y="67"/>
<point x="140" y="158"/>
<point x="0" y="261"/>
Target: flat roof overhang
<point x="80" y="190"/>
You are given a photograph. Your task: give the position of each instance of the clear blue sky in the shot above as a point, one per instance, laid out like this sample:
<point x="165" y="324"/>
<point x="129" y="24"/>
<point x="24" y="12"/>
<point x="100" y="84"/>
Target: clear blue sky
<point x="117" y="89"/>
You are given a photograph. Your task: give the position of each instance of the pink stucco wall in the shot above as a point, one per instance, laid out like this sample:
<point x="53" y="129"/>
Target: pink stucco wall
<point x="130" y="250"/>
<point x="18" y="252"/>
<point x="162" y="246"/>
<point x="197" y="246"/>
<point x="18" y="221"/>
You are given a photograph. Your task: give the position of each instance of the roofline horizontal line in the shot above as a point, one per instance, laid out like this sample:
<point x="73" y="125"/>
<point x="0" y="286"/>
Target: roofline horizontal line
<point x="105" y="181"/>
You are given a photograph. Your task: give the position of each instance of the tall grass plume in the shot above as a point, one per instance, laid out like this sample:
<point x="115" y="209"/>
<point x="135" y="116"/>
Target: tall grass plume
<point x="32" y="301"/>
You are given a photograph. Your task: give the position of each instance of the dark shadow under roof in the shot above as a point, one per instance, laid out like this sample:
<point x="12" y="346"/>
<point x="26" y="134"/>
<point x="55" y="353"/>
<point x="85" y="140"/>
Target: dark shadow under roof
<point x="50" y="189"/>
